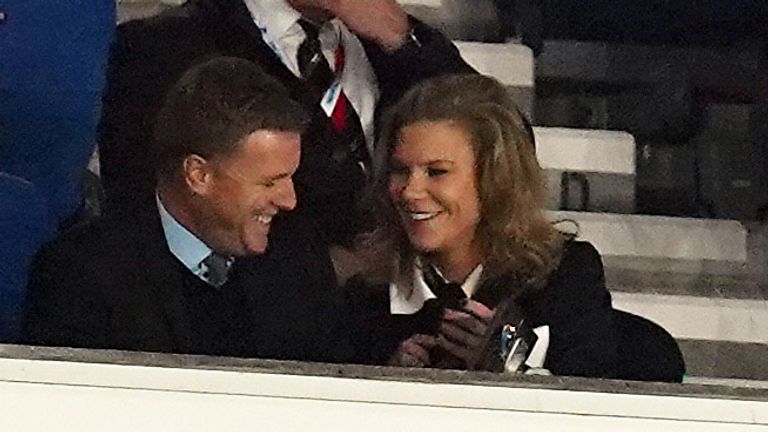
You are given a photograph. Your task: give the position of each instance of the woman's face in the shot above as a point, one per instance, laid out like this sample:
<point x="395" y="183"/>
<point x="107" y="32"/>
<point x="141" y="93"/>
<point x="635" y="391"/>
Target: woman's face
<point x="433" y="186"/>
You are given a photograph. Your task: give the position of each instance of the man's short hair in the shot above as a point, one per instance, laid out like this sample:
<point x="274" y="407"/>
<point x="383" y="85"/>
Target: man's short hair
<point x="215" y="105"/>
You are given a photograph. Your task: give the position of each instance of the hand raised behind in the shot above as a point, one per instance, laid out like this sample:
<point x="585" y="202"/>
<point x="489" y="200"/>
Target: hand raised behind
<point x="381" y="21"/>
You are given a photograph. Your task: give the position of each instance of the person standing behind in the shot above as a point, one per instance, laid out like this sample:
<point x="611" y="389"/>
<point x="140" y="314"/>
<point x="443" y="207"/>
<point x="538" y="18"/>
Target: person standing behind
<point x="342" y="58"/>
<point x="214" y="267"/>
<point x="462" y="246"/>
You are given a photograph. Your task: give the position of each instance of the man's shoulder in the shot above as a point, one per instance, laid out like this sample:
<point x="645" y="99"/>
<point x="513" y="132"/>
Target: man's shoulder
<point x="110" y="242"/>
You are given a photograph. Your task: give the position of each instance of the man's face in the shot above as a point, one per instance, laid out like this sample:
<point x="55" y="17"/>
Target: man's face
<point x="246" y="189"/>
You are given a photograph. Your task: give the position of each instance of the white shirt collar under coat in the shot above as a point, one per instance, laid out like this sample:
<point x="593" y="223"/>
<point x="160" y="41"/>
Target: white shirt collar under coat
<point x="280" y="29"/>
<point x="400" y="303"/>
<point x="275" y="16"/>
<point x="278" y="23"/>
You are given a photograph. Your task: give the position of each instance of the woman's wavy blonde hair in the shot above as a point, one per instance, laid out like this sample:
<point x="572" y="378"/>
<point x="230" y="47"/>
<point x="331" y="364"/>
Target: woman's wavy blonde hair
<point x="514" y="236"/>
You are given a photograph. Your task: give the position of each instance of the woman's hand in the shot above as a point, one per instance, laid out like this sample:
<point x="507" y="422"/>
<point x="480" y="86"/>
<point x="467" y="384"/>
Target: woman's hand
<point x="462" y="332"/>
<point x="413" y="352"/>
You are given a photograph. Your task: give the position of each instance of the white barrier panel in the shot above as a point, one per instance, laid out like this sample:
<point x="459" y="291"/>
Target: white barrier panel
<point x="44" y="395"/>
<point x="662" y="237"/>
<point x="587" y="170"/>
<point x="510" y="63"/>
<point x="701" y="318"/>
<point x="601" y="151"/>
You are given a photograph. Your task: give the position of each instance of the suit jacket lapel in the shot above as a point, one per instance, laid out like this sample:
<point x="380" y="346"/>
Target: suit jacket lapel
<point x="492" y="291"/>
<point x="240" y="34"/>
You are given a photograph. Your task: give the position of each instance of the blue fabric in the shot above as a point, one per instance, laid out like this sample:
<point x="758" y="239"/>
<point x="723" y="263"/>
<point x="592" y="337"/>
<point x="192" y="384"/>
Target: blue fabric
<point x="25" y="224"/>
<point x="53" y="56"/>
<point x="52" y="72"/>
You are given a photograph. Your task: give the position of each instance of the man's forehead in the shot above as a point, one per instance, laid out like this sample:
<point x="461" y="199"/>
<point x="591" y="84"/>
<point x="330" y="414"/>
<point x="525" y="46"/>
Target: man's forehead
<point x="267" y="146"/>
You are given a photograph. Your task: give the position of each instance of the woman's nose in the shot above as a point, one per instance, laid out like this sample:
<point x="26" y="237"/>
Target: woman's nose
<point x="414" y="186"/>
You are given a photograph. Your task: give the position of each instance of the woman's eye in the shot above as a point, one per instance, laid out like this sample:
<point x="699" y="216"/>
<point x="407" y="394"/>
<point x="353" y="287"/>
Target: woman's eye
<point x="434" y="172"/>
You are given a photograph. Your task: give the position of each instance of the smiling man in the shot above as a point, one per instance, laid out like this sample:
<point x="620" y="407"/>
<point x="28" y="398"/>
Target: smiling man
<point x="221" y="265"/>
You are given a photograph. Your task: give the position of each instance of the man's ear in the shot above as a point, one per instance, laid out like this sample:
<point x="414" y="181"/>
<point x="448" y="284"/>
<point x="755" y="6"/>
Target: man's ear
<point x="198" y="174"/>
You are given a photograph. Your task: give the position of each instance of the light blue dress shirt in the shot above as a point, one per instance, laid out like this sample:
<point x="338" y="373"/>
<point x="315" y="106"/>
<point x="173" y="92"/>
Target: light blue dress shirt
<point x="184" y="245"/>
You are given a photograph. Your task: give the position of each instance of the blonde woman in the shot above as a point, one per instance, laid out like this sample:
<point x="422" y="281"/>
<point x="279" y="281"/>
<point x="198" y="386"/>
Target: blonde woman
<point x="461" y="235"/>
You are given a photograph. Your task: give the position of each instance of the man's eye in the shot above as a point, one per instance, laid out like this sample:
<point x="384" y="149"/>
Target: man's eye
<point x="434" y="172"/>
<point x="269" y="184"/>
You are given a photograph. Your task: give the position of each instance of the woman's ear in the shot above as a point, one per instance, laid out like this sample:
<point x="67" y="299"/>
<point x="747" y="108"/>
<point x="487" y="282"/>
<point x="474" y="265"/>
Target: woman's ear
<point x="198" y="174"/>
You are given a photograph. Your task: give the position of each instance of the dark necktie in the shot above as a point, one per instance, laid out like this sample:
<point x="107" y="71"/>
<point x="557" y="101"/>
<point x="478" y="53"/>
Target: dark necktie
<point x="216" y="269"/>
<point x="317" y="74"/>
<point x="313" y="65"/>
<point x="449" y="294"/>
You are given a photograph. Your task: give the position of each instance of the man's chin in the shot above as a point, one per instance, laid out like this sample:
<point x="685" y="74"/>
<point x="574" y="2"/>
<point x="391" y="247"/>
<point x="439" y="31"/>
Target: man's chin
<point x="259" y="251"/>
<point x="257" y="247"/>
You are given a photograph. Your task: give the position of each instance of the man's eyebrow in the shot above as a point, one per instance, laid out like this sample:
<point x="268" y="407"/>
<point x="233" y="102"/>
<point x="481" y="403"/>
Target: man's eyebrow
<point x="278" y="176"/>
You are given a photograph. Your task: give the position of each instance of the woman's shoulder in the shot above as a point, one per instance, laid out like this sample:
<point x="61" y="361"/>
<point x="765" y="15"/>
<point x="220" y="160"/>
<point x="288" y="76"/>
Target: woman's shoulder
<point x="579" y="275"/>
<point x="578" y="258"/>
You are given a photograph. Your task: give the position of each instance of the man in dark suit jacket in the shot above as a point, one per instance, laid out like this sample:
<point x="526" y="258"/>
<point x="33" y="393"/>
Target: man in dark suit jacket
<point x="192" y="274"/>
<point x="379" y="52"/>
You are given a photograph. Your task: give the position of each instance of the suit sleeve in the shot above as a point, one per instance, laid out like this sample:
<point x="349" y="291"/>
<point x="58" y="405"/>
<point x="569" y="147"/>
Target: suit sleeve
<point x="434" y="55"/>
<point x="579" y="312"/>
<point x="63" y="306"/>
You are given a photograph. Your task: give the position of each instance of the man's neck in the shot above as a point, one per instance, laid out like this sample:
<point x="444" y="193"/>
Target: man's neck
<point x="178" y="206"/>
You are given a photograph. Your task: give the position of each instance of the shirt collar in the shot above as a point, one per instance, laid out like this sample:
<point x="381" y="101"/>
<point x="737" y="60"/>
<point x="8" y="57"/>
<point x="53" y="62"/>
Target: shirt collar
<point x="277" y="17"/>
<point x="189" y="249"/>
<point x="400" y="303"/>
<point x="280" y="21"/>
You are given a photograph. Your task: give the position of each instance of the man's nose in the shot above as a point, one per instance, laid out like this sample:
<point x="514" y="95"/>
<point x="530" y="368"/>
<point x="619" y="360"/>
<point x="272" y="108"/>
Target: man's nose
<point x="285" y="199"/>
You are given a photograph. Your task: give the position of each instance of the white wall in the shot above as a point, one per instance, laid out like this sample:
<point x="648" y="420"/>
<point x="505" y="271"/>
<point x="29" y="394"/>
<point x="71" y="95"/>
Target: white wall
<point x="38" y="395"/>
